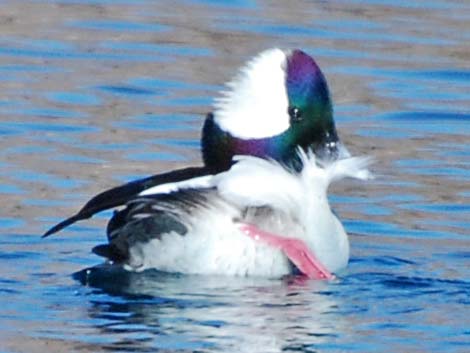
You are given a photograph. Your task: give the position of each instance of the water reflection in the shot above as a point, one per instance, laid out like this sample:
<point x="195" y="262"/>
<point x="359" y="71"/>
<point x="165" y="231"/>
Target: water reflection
<point x="239" y="314"/>
<point x="153" y="310"/>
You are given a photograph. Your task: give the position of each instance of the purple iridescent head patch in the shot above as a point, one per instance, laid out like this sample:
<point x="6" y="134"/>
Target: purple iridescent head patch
<point x="304" y="80"/>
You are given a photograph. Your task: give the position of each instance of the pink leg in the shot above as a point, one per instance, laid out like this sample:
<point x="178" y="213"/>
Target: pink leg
<point x="295" y="249"/>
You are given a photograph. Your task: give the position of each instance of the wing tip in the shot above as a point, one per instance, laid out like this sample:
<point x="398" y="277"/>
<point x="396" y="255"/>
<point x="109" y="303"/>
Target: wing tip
<point x="65" y="223"/>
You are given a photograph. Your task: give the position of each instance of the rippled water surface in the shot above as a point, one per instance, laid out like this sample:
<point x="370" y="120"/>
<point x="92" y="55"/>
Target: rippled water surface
<point x="95" y="93"/>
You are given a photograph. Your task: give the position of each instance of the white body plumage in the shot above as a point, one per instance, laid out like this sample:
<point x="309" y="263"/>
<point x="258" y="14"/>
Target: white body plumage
<point x="298" y="207"/>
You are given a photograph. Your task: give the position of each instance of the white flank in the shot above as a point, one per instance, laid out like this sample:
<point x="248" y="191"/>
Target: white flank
<point x="255" y="103"/>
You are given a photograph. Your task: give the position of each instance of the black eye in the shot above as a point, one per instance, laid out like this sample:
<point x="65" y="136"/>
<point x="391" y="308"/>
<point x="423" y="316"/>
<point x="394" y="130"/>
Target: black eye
<point x="295" y="114"/>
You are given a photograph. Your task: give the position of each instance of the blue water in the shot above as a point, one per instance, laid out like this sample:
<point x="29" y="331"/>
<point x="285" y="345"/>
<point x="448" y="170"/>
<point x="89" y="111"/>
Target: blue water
<point x="97" y="93"/>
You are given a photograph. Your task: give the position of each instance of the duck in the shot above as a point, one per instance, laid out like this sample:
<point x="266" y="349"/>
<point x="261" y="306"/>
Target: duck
<point x="277" y="103"/>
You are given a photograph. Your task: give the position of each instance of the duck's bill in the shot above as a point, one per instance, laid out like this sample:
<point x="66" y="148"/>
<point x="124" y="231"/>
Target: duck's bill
<point x="331" y="150"/>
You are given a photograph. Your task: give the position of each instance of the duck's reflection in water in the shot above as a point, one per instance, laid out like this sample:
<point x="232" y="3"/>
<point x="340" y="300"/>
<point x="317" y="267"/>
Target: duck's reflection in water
<point x="155" y="311"/>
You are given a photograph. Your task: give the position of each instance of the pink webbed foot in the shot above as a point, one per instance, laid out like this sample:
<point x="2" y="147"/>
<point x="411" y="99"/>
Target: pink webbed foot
<point x="295" y="249"/>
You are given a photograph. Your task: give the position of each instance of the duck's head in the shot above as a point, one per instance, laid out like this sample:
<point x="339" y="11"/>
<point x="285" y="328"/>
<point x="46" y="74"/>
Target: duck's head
<point x="278" y="101"/>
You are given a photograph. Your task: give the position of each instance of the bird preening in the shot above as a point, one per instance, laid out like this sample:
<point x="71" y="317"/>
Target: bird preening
<point x="258" y="205"/>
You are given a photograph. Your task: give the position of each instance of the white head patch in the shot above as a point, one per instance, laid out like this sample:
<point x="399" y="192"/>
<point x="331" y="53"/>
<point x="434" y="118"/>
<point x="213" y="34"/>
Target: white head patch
<point x="255" y="104"/>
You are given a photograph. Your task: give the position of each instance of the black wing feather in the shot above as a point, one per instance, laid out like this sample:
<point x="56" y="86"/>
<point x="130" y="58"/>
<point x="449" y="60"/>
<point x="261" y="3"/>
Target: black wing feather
<point x="120" y="195"/>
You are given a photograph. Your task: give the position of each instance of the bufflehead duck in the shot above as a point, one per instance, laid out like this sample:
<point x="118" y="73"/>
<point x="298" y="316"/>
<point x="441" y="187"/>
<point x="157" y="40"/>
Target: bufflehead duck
<point x="277" y="102"/>
<point x="216" y="229"/>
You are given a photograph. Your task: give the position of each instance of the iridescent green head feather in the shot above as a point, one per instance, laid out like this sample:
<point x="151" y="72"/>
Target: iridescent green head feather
<point x="278" y="101"/>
